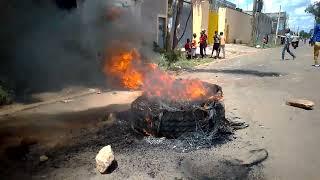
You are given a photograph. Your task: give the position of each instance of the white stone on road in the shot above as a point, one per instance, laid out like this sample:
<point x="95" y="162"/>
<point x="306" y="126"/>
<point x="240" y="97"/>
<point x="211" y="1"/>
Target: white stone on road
<point x="104" y="159"/>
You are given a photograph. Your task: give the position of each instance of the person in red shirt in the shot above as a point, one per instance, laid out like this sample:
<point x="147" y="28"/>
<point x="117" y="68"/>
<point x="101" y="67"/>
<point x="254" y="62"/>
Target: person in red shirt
<point x="187" y="47"/>
<point x="203" y="43"/>
<point x="206" y="42"/>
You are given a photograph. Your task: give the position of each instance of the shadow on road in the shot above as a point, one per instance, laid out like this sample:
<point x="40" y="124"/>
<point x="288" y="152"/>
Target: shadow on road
<point x="239" y="72"/>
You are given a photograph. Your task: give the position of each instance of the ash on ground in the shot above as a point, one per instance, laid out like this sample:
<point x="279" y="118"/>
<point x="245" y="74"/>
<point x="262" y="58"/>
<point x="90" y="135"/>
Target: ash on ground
<point x="191" y="141"/>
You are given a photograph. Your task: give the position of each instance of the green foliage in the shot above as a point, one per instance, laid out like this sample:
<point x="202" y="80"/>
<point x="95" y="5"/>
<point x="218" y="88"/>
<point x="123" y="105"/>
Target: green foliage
<point x="182" y="63"/>
<point x="5" y="97"/>
<point x="169" y="58"/>
<point x="314" y="9"/>
<point x="172" y="56"/>
<point x="304" y="34"/>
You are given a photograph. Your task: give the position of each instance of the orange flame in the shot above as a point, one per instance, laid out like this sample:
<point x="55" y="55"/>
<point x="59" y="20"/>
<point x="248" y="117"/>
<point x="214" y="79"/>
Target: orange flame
<point x="126" y="67"/>
<point x="122" y="67"/>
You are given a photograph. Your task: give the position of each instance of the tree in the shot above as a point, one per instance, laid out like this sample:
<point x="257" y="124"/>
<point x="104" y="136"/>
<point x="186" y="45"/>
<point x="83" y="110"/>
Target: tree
<point x="304" y="34"/>
<point x="176" y="14"/>
<point x="177" y="22"/>
<point x="314" y="9"/>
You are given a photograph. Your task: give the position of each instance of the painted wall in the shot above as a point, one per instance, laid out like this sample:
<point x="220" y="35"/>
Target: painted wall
<point x="205" y="14"/>
<point x="235" y="25"/>
<point x="212" y="25"/>
<point x="200" y="16"/>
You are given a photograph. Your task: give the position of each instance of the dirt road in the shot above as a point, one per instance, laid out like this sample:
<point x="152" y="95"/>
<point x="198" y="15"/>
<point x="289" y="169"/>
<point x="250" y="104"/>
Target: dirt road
<point x="256" y="88"/>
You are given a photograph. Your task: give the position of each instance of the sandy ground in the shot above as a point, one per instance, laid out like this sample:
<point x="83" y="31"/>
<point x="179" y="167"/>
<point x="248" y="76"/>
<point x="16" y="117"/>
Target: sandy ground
<point x="256" y="87"/>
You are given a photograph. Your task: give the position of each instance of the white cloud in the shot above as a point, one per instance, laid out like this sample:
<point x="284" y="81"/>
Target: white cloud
<point x="274" y="5"/>
<point x="294" y="8"/>
<point x="300" y="10"/>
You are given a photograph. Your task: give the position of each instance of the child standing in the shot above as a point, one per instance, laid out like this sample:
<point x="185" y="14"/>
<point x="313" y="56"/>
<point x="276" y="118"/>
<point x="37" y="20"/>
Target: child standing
<point x="222" y="45"/>
<point x="216" y="45"/>
<point x="203" y="43"/>
<point x="187" y="47"/>
<point x="194" y="46"/>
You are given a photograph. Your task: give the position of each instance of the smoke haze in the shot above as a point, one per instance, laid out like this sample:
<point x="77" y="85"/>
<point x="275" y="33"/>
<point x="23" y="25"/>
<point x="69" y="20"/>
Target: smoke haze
<point x="46" y="48"/>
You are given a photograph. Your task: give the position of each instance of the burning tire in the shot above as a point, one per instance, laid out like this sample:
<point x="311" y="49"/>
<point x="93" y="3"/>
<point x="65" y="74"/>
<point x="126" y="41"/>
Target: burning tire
<point x="162" y="117"/>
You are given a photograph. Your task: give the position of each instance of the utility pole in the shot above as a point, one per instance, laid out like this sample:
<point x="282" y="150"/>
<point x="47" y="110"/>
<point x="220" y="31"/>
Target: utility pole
<point x="275" y="41"/>
<point x="254" y="22"/>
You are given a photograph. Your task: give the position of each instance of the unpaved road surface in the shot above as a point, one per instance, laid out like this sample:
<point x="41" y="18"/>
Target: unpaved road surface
<point x="256" y="87"/>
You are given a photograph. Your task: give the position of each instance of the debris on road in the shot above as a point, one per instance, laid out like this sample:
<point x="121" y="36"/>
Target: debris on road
<point x="111" y="117"/>
<point x="98" y="91"/>
<point x="43" y="158"/>
<point x="237" y="125"/>
<point x="104" y="159"/>
<point x="67" y="100"/>
<point x="152" y="140"/>
<point x="301" y="103"/>
<point x="92" y="90"/>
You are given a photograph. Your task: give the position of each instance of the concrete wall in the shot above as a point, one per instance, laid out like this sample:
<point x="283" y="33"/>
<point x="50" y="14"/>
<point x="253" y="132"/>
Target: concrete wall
<point x="235" y="25"/>
<point x="264" y="26"/>
<point x="151" y="10"/>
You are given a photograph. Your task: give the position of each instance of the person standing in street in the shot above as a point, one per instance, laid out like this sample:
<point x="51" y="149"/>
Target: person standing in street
<point x="203" y="43"/>
<point x="287" y="42"/>
<point x="222" y="45"/>
<point x="315" y="41"/>
<point x="194" y="46"/>
<point x="216" y="45"/>
<point x="188" y="49"/>
<point x="295" y="41"/>
<point x="206" y="41"/>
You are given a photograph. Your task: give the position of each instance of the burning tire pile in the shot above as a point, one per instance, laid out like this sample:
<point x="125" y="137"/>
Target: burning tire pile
<point x="164" y="118"/>
<point x="168" y="107"/>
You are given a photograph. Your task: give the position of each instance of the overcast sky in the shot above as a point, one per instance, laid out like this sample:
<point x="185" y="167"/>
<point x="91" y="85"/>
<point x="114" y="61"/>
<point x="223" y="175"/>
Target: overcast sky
<point x="295" y="9"/>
